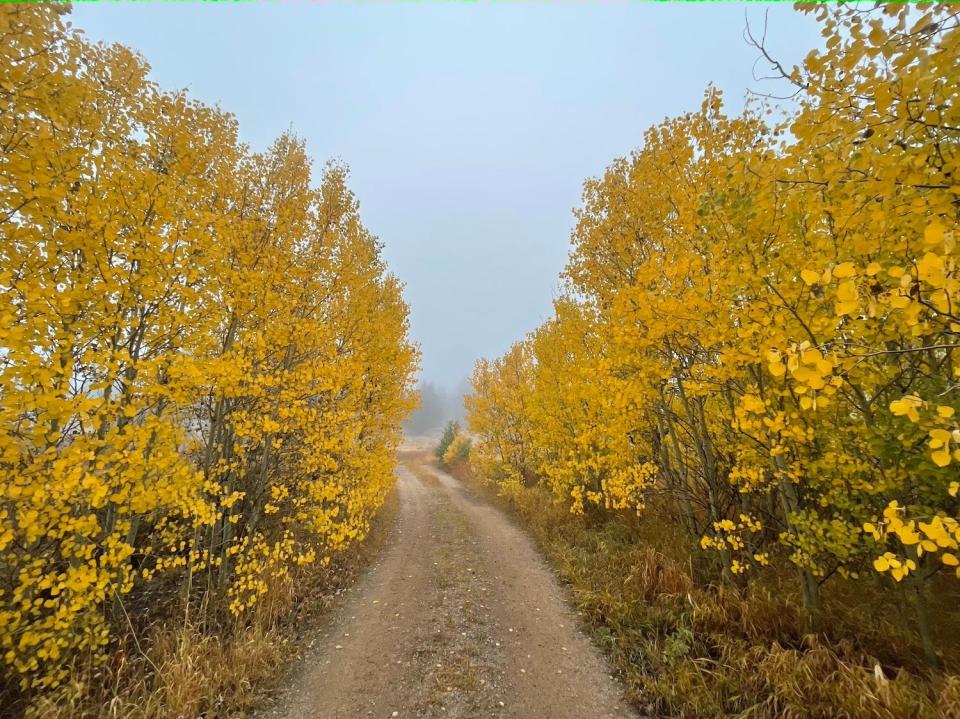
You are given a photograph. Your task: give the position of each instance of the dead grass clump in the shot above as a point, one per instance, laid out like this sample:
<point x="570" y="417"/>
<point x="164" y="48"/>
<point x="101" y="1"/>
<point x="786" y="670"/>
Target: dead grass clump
<point x="204" y="675"/>
<point x="757" y="613"/>
<point x="822" y="681"/>
<point x="187" y="674"/>
<point x="948" y="698"/>
<point x="651" y="574"/>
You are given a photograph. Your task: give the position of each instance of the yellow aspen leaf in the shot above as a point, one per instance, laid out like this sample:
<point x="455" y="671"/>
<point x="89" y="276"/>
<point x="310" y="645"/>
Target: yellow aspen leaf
<point x="907" y="406"/>
<point x="847" y="291"/>
<point x="844" y="270"/>
<point x="933" y="234"/>
<point x="930" y="269"/>
<point x="810" y="277"/>
<point x="941" y="457"/>
<point x="882" y="98"/>
<point x="908" y="535"/>
<point x="939" y="437"/>
<point x="811" y="356"/>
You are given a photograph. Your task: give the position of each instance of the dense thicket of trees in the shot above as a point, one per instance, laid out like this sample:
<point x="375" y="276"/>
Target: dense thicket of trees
<point x="760" y="334"/>
<point x="203" y="361"/>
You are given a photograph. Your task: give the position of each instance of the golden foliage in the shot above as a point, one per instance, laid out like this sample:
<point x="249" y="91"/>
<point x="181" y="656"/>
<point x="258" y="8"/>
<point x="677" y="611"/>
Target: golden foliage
<point x="203" y="360"/>
<point x="761" y="326"/>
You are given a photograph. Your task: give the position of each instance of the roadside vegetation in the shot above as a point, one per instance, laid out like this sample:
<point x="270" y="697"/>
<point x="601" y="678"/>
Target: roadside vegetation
<point x="204" y="365"/>
<point x="454" y="445"/>
<point x="737" y="436"/>
<point x="687" y="646"/>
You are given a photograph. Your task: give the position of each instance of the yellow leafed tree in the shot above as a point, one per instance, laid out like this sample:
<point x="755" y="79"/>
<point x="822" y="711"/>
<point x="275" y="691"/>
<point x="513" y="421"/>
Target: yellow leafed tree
<point x="203" y="360"/>
<point x="761" y="324"/>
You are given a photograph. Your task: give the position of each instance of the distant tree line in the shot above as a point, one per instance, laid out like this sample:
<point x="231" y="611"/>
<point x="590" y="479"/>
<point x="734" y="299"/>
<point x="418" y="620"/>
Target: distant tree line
<point x="438" y="405"/>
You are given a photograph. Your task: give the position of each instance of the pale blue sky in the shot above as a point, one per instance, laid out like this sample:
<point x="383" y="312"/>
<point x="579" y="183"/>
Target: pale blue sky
<point x="469" y="128"/>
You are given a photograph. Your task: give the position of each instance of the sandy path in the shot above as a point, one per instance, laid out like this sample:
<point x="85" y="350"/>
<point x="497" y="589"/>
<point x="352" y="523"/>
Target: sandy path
<point x="460" y="618"/>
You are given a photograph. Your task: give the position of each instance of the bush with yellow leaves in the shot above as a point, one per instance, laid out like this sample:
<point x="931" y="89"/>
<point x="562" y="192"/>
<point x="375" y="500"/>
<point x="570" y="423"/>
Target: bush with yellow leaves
<point x="458" y="451"/>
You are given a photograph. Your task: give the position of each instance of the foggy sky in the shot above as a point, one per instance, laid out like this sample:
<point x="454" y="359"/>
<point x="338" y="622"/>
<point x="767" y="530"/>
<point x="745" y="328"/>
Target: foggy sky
<point x="468" y="128"/>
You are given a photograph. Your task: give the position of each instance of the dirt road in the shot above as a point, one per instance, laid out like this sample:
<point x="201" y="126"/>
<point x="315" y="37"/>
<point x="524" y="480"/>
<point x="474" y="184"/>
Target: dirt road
<point x="460" y="618"/>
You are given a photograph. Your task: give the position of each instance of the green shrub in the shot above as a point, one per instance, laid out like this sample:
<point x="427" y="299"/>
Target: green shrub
<point x="450" y="433"/>
<point x="458" y="451"/>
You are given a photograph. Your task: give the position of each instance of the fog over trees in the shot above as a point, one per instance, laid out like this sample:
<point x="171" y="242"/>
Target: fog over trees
<point x="438" y="405"/>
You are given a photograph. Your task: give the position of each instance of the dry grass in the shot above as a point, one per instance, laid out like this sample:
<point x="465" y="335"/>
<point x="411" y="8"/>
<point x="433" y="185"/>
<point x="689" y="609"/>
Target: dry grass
<point x="415" y="461"/>
<point x="189" y="670"/>
<point x="687" y="648"/>
<point x="185" y="672"/>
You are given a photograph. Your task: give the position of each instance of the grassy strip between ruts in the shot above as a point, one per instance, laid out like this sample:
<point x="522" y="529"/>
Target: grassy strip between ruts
<point x="187" y="670"/>
<point x="687" y="649"/>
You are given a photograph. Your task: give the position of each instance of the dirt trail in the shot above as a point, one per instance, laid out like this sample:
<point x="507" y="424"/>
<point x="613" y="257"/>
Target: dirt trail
<point x="460" y="618"/>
